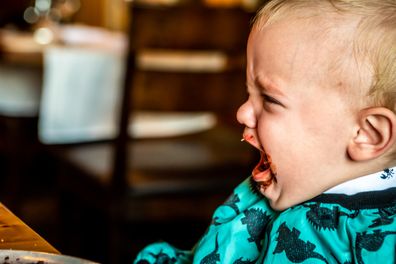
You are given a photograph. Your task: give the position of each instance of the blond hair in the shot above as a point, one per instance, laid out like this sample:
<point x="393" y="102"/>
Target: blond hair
<point x="374" y="41"/>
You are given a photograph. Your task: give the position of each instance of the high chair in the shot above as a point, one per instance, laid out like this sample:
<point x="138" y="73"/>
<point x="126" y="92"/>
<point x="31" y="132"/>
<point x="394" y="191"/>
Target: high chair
<point x="177" y="153"/>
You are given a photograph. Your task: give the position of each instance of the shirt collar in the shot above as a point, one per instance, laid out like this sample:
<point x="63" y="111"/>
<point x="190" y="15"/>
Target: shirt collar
<point x="378" y="181"/>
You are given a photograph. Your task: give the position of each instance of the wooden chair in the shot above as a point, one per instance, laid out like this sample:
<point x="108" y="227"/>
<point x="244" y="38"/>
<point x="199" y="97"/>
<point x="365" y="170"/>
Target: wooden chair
<point x="20" y="88"/>
<point x="122" y="194"/>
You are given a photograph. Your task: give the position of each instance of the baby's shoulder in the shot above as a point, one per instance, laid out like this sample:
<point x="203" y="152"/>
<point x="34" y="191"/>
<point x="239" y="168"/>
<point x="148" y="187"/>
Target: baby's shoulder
<point x="331" y="232"/>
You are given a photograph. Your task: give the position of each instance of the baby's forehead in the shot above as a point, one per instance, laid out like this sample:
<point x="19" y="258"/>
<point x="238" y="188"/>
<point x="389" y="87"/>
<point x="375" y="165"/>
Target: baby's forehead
<point x="318" y="44"/>
<point x="362" y="32"/>
<point x="320" y="33"/>
<point x="328" y="23"/>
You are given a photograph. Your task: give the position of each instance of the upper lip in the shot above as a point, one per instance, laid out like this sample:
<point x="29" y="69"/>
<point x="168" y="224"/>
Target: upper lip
<point x="251" y="139"/>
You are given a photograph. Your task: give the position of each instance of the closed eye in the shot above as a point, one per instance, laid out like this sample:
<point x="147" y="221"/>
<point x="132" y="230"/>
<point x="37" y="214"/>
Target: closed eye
<point x="268" y="99"/>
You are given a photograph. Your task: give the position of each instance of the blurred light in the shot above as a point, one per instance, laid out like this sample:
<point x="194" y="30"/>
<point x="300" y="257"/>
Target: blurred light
<point x="43" y="5"/>
<point x="31" y="15"/>
<point x="43" y="36"/>
<point x="55" y="14"/>
<point x="74" y="5"/>
<point x="68" y="7"/>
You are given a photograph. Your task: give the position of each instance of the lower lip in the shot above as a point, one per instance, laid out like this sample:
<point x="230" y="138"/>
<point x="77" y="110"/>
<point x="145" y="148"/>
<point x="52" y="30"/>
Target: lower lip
<point x="264" y="178"/>
<point x="260" y="175"/>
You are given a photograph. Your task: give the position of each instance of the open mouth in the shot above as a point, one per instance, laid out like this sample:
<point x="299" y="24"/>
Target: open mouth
<point x="264" y="174"/>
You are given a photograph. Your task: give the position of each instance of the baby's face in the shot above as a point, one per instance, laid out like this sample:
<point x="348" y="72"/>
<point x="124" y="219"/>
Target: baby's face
<point x="294" y="115"/>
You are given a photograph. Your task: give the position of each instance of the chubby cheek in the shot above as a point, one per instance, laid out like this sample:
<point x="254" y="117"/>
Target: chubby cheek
<point x="291" y="158"/>
<point x="274" y="140"/>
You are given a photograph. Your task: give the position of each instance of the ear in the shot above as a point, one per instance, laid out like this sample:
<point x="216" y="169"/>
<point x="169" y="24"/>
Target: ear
<point x="375" y="134"/>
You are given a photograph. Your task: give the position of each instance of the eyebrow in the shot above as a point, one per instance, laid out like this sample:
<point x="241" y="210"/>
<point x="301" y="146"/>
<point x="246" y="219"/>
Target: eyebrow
<point x="268" y="86"/>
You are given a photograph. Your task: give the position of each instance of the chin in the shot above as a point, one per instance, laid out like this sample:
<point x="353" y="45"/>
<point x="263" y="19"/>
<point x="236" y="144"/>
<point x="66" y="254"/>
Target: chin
<point x="278" y="205"/>
<point x="279" y="200"/>
<point x="273" y="194"/>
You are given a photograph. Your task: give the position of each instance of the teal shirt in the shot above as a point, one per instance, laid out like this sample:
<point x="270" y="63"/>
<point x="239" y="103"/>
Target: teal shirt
<point x="331" y="228"/>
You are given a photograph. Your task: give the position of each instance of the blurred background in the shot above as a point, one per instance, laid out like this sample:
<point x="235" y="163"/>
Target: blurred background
<point x="117" y="119"/>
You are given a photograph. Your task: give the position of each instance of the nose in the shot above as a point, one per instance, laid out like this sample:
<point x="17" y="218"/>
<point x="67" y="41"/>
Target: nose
<point x="246" y="116"/>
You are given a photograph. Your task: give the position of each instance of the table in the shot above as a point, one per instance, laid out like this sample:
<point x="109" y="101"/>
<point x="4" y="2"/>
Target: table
<point x="20" y="48"/>
<point x="15" y="234"/>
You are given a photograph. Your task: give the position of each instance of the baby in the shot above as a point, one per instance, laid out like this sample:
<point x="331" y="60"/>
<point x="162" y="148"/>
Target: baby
<point x="321" y="79"/>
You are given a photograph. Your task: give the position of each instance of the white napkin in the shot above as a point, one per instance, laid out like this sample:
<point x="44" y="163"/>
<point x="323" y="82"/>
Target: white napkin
<point x="81" y="94"/>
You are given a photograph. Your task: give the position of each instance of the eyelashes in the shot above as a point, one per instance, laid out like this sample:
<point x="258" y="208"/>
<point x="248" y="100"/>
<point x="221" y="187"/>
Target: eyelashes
<point x="269" y="100"/>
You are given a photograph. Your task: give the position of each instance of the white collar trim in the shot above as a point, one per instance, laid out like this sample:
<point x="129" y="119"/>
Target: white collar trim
<point x="378" y="181"/>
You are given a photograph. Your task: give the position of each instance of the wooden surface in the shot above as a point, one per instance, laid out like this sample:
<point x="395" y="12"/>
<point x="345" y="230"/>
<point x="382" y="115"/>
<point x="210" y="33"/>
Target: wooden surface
<point x="15" y="234"/>
<point x="20" y="48"/>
